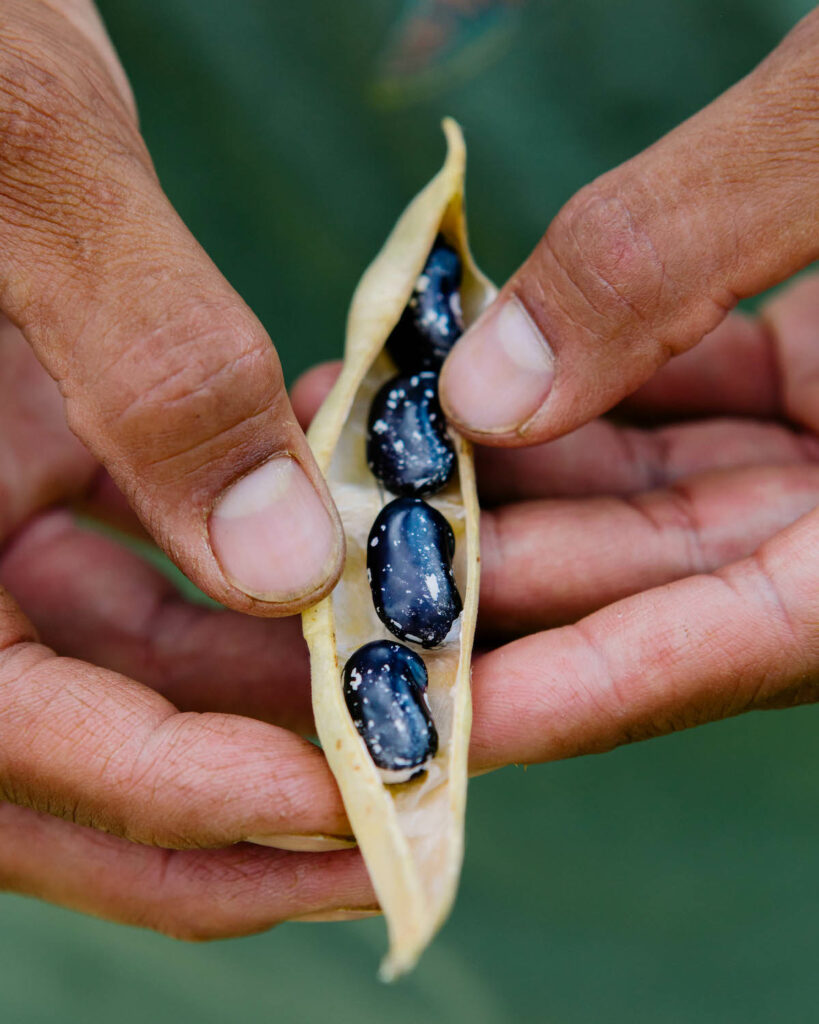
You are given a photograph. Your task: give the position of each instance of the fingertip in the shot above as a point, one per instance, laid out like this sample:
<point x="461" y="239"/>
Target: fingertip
<point x="311" y="389"/>
<point x="498" y="375"/>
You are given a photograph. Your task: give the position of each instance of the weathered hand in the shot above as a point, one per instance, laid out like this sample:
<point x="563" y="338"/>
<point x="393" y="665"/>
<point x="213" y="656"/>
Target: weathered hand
<point x="167" y="376"/>
<point x="167" y="762"/>
<point x="638" y="267"/>
<point x="666" y="573"/>
<point x="641" y="264"/>
<point x="681" y="556"/>
<point x="174" y="387"/>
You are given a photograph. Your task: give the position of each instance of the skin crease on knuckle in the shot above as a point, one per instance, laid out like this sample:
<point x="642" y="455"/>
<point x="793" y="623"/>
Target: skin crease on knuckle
<point x="616" y="276"/>
<point x="179" y="371"/>
<point x="279" y="781"/>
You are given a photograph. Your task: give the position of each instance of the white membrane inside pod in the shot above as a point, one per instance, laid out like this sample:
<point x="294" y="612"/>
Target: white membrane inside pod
<point x="422" y="805"/>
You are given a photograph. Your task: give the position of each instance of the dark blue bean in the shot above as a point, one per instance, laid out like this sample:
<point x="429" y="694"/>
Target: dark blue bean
<point x="409" y="566"/>
<point x="432" y="321"/>
<point x="384" y="684"/>
<point x="408" y="448"/>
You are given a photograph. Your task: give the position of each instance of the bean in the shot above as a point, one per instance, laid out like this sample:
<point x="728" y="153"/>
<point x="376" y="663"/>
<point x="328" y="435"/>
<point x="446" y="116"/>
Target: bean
<point x="409" y="566"/>
<point x="408" y="448"/>
<point x="384" y="689"/>
<point x="432" y="321"/>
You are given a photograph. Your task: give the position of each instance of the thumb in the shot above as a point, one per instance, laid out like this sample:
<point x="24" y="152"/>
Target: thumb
<point x="167" y="376"/>
<point x="645" y="261"/>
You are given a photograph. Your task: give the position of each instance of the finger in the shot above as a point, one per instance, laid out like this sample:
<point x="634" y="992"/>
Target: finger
<point x="734" y="371"/>
<point x="791" y="319"/>
<point x="190" y="894"/>
<point x="41" y="462"/>
<point x="644" y="262"/>
<point x="92" y="599"/>
<point x="764" y="367"/>
<point x="311" y="388"/>
<point x="695" y="651"/>
<point x="90" y="745"/>
<point x="167" y="376"/>
<point x="544" y="563"/>
<point x="603" y="457"/>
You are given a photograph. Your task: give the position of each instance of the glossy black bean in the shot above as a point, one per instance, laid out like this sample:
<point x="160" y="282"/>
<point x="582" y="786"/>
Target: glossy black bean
<point x="432" y="321"/>
<point x="409" y="566"/>
<point x="408" y="448"/>
<point x="384" y="684"/>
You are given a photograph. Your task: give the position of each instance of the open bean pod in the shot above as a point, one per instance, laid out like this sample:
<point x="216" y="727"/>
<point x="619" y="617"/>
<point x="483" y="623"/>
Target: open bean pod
<point x="411" y="834"/>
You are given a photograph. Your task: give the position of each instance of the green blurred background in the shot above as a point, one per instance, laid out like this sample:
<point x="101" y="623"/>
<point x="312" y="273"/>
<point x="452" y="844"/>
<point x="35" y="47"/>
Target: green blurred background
<point x="671" y="882"/>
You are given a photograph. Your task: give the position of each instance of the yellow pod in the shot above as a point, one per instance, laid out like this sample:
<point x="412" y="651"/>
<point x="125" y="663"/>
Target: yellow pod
<point x="411" y="835"/>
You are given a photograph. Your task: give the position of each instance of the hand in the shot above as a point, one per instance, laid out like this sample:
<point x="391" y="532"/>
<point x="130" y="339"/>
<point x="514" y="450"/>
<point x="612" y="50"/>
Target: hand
<point x="679" y="563"/>
<point x="671" y="568"/>
<point x="638" y="267"/>
<point x="175" y="388"/>
<point x="172" y="768"/>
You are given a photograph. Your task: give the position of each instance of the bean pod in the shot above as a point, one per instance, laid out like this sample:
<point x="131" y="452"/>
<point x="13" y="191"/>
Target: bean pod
<point x="411" y="836"/>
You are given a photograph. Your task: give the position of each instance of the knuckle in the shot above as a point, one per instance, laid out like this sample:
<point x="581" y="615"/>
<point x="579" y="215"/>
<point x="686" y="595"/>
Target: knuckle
<point x="615" y="275"/>
<point x="199" y="898"/>
<point x="612" y="269"/>
<point x="672" y="516"/>
<point x="175" y="397"/>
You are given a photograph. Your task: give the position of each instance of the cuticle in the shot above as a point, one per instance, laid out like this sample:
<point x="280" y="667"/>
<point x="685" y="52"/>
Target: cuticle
<point x="284" y="454"/>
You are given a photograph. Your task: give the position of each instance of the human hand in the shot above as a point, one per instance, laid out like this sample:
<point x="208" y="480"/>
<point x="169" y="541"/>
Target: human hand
<point x="638" y="267"/>
<point x="175" y="388"/>
<point x="678" y="562"/>
<point x="665" y="572"/>
<point x="167" y="763"/>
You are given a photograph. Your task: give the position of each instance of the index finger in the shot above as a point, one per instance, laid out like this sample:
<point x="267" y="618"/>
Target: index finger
<point x="701" y="649"/>
<point x="95" y="747"/>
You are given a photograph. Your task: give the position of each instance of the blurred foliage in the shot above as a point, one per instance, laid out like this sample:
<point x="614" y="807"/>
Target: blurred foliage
<point x="670" y="882"/>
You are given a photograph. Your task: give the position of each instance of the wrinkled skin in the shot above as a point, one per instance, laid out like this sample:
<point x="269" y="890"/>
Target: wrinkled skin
<point x="163" y="377"/>
<point x="677" y="559"/>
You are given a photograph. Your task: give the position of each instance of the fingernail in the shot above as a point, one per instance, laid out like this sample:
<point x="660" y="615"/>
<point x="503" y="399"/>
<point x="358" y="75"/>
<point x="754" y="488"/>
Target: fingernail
<point x="272" y="534"/>
<point x="500" y="371"/>
<point x="337" y="915"/>
<point x="307" y="843"/>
